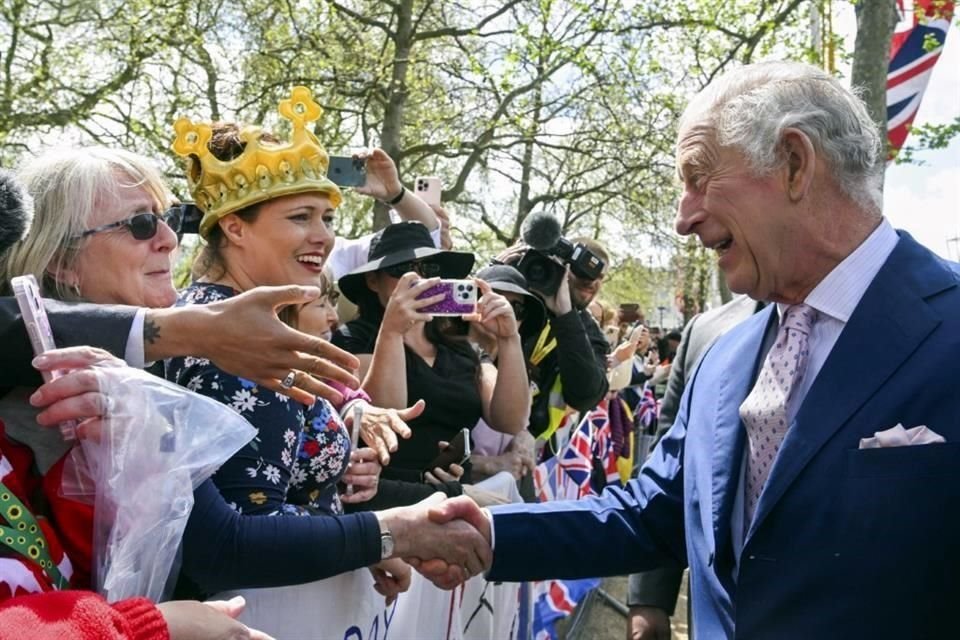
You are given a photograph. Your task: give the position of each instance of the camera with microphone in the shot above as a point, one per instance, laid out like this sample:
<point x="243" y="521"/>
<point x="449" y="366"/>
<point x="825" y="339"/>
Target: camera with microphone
<point x="539" y="264"/>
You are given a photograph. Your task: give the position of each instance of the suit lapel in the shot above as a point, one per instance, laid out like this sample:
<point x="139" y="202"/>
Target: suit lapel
<point x="728" y="435"/>
<point x="888" y="325"/>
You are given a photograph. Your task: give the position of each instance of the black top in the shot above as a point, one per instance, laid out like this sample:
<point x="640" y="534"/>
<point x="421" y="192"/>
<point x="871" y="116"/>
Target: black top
<point x="449" y="388"/>
<point x="579" y="359"/>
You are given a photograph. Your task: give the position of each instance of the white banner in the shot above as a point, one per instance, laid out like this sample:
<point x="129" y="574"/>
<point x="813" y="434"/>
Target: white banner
<point x="346" y="607"/>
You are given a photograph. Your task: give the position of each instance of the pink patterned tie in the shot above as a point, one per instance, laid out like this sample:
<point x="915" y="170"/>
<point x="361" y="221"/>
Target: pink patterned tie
<point x="764" y="412"/>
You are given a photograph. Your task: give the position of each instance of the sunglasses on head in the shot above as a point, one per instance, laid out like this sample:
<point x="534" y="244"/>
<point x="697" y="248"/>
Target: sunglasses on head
<point x="143" y="226"/>
<point x="425" y="269"/>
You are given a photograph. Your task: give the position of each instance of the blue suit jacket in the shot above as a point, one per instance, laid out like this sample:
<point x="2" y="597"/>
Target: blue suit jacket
<point x="846" y="542"/>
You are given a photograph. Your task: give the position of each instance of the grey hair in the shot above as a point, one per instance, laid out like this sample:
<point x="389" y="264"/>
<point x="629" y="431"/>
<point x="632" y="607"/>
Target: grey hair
<point x="68" y="186"/>
<point x="750" y="107"/>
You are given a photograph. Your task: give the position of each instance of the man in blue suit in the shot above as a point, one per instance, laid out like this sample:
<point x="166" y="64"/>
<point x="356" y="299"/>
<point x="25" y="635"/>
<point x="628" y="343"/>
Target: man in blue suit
<point x="812" y="531"/>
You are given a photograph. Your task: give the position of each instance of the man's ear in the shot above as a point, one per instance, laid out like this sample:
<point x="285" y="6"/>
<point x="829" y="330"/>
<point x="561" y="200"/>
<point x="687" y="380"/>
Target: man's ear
<point x="800" y="165"/>
<point x="233" y="228"/>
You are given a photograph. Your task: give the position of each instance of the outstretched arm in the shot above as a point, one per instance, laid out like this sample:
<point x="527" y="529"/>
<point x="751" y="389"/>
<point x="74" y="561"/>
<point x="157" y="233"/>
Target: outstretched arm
<point x="383" y="183"/>
<point x="244" y="336"/>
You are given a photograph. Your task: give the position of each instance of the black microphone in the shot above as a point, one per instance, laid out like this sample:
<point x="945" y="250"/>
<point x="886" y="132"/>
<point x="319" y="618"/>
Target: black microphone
<point x="16" y="210"/>
<point x="541" y="231"/>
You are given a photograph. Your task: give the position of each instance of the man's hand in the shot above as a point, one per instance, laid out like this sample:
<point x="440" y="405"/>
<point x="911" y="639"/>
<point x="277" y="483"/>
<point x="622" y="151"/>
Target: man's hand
<point x="648" y="623"/>
<point x="363" y="475"/>
<point x="444" y="569"/>
<point x="380" y="427"/>
<point x="512" y="255"/>
<point x="391" y="577"/>
<point x="243" y="336"/>
<point x="444" y="540"/>
<point x="383" y="181"/>
<point x="75" y="395"/>
<point x="192" y="620"/>
<point x="559" y="303"/>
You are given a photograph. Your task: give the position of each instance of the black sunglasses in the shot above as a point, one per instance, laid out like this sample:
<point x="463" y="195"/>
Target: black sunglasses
<point x="424" y="268"/>
<point x="143" y="226"/>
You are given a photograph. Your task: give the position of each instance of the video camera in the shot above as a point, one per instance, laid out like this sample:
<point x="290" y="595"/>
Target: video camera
<point x="544" y="274"/>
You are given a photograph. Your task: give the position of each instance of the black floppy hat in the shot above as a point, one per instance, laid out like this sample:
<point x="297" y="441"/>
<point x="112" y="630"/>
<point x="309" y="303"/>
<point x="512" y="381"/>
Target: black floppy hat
<point x="502" y="277"/>
<point x="399" y="243"/>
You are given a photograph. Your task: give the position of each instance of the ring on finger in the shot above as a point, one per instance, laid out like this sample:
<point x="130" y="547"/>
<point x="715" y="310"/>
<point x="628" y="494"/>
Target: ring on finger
<point x="288" y="381"/>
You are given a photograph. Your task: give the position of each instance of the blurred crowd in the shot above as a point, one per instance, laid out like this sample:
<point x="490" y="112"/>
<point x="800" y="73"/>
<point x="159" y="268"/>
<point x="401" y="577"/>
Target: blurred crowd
<point x="420" y="368"/>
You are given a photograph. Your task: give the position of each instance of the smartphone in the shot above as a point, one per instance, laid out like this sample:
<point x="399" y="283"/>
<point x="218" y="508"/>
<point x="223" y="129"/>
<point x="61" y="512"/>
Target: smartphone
<point x="457" y="452"/>
<point x="428" y="189"/>
<point x="27" y="292"/>
<point x="347" y="171"/>
<point x="459" y="298"/>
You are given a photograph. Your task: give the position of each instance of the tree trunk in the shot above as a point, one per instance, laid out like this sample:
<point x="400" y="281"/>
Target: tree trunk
<point x="390" y="134"/>
<point x="876" y="20"/>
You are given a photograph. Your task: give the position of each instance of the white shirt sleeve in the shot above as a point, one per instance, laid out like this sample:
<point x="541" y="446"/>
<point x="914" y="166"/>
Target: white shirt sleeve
<point x="134" y="352"/>
<point x="347" y="255"/>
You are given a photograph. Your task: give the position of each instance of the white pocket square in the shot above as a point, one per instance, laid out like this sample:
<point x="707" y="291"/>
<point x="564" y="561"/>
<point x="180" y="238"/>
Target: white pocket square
<point x="899" y="437"/>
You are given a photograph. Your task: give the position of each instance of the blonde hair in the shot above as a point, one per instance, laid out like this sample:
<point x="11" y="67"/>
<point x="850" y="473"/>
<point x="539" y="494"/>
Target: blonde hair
<point x="67" y="187"/>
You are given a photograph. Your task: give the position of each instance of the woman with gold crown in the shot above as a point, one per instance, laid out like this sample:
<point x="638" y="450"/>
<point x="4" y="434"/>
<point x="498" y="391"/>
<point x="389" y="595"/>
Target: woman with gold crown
<point x="268" y="211"/>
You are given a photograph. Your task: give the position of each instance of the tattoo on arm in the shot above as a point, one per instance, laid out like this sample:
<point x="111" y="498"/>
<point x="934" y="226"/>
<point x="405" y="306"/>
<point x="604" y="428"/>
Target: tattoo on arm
<point x="151" y="331"/>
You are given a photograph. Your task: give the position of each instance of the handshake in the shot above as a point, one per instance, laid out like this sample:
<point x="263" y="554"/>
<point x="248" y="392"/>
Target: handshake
<point x="447" y="541"/>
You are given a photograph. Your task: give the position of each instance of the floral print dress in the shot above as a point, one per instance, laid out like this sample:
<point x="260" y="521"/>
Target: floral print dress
<point x="299" y="454"/>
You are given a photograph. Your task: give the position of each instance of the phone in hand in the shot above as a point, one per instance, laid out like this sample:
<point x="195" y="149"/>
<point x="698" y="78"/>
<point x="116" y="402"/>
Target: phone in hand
<point x="457" y="452"/>
<point x="428" y="189"/>
<point x="459" y="298"/>
<point x="347" y="171"/>
<point x="27" y="292"/>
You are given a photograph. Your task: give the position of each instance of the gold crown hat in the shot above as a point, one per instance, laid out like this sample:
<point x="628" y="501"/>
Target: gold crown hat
<point x="264" y="170"/>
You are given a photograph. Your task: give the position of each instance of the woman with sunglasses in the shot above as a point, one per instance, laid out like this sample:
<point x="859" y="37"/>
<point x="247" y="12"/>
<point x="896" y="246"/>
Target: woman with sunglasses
<point x="99" y="236"/>
<point x="407" y="355"/>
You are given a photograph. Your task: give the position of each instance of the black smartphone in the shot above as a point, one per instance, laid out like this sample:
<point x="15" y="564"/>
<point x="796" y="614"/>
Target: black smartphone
<point x="347" y="171"/>
<point x="457" y="452"/>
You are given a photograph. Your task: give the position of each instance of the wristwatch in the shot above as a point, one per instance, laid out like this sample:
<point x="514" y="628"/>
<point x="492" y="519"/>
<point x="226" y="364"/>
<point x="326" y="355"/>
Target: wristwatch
<point x="386" y="541"/>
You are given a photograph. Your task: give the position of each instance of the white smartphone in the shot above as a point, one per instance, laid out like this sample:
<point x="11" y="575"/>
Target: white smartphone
<point x="27" y="292"/>
<point x="459" y="298"/>
<point x="428" y="189"/>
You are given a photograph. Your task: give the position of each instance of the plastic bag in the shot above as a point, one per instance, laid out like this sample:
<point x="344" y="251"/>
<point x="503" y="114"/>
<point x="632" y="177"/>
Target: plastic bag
<point x="157" y="443"/>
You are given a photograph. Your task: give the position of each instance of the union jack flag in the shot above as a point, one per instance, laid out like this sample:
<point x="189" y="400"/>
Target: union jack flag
<point x="603" y="444"/>
<point x="917" y="43"/>
<point x="566" y="477"/>
<point x="648" y="409"/>
<point x="555" y="599"/>
<point x="576" y="459"/>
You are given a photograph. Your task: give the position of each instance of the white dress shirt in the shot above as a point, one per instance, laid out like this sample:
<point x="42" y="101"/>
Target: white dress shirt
<point x="835" y="298"/>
